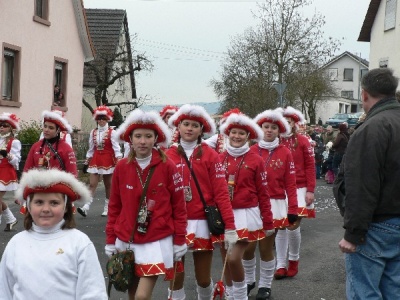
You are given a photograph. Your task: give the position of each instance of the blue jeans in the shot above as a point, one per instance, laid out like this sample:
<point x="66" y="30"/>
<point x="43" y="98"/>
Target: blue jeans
<point x="373" y="271"/>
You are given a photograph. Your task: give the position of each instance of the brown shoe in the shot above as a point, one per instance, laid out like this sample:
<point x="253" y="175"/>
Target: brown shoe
<point x="280" y="273"/>
<point x="293" y="268"/>
<point x="10" y="226"/>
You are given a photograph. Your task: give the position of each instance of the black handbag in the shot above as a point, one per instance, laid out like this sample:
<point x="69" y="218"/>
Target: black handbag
<point x="214" y="219"/>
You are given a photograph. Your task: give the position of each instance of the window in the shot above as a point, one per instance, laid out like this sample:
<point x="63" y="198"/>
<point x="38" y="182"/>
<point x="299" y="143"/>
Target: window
<point x="348" y="75"/>
<point x="10" y="75"/>
<point x="347" y="94"/>
<point x="363" y="72"/>
<point x="41" y="13"/>
<point x="60" y="81"/>
<point x="333" y="74"/>
<point x="390" y="14"/>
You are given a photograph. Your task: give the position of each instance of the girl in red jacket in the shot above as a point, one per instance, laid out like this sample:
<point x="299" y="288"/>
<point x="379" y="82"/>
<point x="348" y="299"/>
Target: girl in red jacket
<point x="102" y="156"/>
<point x="10" y="156"/>
<point x="192" y="121"/>
<point x="159" y="220"/>
<point x="247" y="185"/>
<point x="303" y="156"/>
<point x="281" y="180"/>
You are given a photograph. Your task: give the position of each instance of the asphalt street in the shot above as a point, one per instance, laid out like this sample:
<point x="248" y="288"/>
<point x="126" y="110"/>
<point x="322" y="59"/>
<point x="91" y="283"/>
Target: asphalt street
<point x="321" y="268"/>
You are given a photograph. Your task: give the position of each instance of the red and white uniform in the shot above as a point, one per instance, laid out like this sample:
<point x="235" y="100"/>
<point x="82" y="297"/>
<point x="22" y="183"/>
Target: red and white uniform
<point x="211" y="177"/>
<point x="281" y="178"/>
<point x="168" y="221"/>
<point x="104" y="150"/>
<point x="250" y="202"/>
<point x="303" y="156"/>
<point x="48" y="160"/>
<point x="8" y="174"/>
<point x="218" y="142"/>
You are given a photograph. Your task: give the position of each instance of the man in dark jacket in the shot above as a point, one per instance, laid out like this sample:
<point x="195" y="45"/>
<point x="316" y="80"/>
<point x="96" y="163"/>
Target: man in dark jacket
<point x="372" y="208"/>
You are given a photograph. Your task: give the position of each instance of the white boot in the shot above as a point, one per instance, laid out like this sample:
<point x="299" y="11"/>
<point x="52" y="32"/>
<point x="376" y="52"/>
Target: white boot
<point x="177" y="295"/>
<point x="105" y="211"/>
<point x="10" y="219"/>
<point x="205" y="293"/>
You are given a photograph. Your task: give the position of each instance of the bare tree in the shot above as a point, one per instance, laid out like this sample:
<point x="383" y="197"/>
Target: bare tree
<point x="114" y="65"/>
<point x="276" y="49"/>
<point x="312" y="85"/>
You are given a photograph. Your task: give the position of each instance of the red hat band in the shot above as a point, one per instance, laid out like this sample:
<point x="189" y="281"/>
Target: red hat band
<point x="249" y="129"/>
<point x="201" y="120"/>
<point x="55" y="188"/>
<point x="282" y="127"/>
<point x="126" y="136"/>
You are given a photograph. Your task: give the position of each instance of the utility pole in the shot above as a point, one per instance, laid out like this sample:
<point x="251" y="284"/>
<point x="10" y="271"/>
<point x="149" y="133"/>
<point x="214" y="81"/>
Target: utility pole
<point x="280" y="88"/>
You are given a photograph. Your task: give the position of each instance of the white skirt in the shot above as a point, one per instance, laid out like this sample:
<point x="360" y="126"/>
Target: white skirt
<point x="100" y="171"/>
<point x="305" y="211"/>
<point x="279" y="208"/>
<point x="9" y="187"/>
<point x="154" y="258"/>
<point x="248" y="223"/>
<point x="198" y="236"/>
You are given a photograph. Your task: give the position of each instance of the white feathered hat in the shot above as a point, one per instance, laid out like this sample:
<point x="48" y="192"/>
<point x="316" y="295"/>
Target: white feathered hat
<point x="56" y="117"/>
<point x="147" y="120"/>
<point x="273" y="116"/>
<point x="195" y="113"/>
<point x="11" y="119"/>
<point x="243" y="122"/>
<point x="52" y="181"/>
<point x="296" y="115"/>
<point x="103" y="110"/>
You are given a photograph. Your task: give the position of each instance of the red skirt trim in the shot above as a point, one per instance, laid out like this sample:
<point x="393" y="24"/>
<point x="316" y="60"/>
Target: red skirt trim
<point x="158" y="269"/>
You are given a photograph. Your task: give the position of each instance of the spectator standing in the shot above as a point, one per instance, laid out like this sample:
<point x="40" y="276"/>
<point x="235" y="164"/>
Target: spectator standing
<point x="192" y="121"/>
<point x="339" y="146"/>
<point x="247" y="184"/>
<point x="329" y="135"/>
<point x="51" y="259"/>
<point x="102" y="156"/>
<point x="159" y="220"/>
<point x="372" y="208"/>
<point x="10" y="156"/>
<point x="58" y="96"/>
<point x="288" y="241"/>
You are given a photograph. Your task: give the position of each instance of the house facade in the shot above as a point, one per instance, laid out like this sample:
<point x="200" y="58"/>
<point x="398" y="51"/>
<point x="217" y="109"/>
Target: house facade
<point x="110" y="34"/>
<point x="345" y="72"/>
<point x="43" y="44"/>
<point x="381" y="29"/>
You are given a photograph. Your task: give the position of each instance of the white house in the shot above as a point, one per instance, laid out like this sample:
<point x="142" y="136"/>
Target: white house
<point x="345" y="72"/>
<point x="381" y="29"/>
<point x="43" y="43"/>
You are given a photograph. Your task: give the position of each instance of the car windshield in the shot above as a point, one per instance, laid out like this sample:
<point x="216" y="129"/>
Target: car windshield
<point x="340" y="116"/>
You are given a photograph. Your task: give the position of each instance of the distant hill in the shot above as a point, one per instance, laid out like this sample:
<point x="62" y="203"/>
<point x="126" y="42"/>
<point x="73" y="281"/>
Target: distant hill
<point x="210" y="107"/>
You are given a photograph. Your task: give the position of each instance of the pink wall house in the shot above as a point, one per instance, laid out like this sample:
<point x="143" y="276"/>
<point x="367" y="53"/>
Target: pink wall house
<point x="43" y="43"/>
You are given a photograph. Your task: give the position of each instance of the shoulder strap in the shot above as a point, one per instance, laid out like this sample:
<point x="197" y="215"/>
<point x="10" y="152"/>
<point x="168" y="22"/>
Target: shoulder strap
<point x="195" y="181"/>
<point x="142" y="197"/>
<point x="57" y="155"/>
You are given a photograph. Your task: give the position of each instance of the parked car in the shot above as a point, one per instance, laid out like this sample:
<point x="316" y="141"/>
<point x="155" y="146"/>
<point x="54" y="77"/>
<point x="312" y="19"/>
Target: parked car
<point x="337" y="119"/>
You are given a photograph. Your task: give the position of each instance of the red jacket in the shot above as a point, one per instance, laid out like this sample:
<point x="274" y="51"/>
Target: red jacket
<point x="281" y="174"/>
<point x="211" y="177"/>
<point x="37" y="160"/>
<point x="303" y="156"/>
<point x="250" y="188"/>
<point x="165" y="188"/>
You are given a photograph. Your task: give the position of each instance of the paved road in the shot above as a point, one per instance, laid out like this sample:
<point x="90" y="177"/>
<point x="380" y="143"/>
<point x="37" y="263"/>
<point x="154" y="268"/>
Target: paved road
<point x="321" y="275"/>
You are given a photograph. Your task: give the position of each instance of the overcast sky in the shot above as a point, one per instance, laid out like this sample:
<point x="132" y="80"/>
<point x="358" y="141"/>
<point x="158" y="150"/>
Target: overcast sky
<point x="186" y="40"/>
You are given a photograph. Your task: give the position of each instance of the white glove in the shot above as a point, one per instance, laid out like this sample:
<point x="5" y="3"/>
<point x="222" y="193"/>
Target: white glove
<point x="269" y="232"/>
<point x="231" y="238"/>
<point x="110" y="249"/>
<point x="179" y="251"/>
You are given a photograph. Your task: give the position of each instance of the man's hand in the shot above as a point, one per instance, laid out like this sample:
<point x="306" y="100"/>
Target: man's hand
<point x="347" y="247"/>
